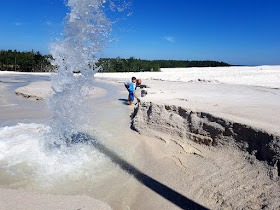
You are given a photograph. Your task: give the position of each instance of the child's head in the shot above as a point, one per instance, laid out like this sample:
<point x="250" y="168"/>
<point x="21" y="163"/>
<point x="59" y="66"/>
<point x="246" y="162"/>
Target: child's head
<point x="133" y="79"/>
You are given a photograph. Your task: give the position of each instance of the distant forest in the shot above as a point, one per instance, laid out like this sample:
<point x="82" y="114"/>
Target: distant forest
<point x="36" y="62"/>
<point x="24" y="61"/>
<point x="126" y="65"/>
<point x="138" y="65"/>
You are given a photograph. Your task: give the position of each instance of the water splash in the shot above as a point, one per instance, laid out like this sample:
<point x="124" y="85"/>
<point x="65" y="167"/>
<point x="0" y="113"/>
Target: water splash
<point x="24" y="156"/>
<point x="86" y="33"/>
<point x="40" y="154"/>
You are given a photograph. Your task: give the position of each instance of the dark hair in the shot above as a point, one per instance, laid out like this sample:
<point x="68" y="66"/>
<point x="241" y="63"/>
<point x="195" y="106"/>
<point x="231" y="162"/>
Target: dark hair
<point x="133" y="78"/>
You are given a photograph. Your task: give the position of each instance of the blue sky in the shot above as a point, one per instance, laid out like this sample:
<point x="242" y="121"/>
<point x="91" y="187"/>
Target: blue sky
<point x="240" y="32"/>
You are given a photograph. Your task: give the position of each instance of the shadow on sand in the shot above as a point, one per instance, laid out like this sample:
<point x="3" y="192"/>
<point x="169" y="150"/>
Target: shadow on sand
<point x="161" y="189"/>
<point x="124" y="101"/>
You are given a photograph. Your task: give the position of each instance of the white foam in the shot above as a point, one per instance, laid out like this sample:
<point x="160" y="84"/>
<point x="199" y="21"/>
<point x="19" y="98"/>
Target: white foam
<point x="23" y="151"/>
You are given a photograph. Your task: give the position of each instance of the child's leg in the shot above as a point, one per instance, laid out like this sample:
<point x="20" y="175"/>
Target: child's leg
<point x="130" y="98"/>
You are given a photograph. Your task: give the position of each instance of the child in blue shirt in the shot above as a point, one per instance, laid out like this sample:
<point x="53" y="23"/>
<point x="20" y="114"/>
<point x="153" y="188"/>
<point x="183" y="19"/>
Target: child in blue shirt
<point x="131" y="90"/>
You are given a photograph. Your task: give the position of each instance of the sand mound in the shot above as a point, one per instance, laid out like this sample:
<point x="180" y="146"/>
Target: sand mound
<point x="36" y="90"/>
<point x="42" y="90"/>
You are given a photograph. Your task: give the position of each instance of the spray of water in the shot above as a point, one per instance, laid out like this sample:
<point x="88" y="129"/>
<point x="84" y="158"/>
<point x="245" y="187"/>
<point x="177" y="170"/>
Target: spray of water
<point x="23" y="148"/>
<point x="86" y="33"/>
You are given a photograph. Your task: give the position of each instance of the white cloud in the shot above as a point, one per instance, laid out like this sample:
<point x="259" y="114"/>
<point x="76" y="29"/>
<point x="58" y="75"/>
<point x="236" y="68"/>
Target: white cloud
<point x="49" y="23"/>
<point x="18" y="23"/>
<point x="169" y="38"/>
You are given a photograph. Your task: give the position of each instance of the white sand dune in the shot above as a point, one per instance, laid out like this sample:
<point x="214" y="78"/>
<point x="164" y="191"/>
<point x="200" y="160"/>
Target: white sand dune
<point x="263" y="76"/>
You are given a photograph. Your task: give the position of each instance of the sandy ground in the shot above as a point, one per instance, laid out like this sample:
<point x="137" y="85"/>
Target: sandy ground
<point x="213" y="136"/>
<point x="16" y="199"/>
<point x="220" y="126"/>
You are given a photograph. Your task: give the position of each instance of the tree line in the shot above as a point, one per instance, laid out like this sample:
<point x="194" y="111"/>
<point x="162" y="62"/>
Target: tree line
<point x="36" y="62"/>
<point x="126" y="65"/>
<point x="182" y="63"/>
<point x="138" y="65"/>
<point x="24" y="61"/>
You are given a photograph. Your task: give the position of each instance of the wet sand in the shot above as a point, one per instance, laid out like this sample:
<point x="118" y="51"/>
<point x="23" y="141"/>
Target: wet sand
<point x="20" y="199"/>
<point x="18" y="109"/>
<point x="15" y="109"/>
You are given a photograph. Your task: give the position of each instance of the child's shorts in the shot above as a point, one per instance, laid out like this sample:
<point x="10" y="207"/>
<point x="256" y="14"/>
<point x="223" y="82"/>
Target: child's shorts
<point x="131" y="96"/>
